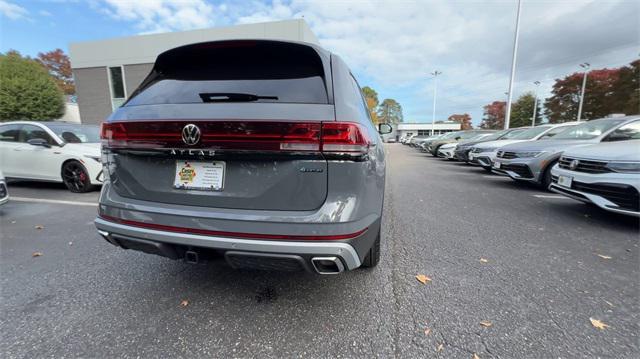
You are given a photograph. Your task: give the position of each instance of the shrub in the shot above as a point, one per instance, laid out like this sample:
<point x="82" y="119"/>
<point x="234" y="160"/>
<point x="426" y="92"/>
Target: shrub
<point x="27" y="91"/>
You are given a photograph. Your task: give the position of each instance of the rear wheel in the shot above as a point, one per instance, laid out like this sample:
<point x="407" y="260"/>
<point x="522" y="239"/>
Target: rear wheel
<point x="76" y="177"/>
<point x="373" y="257"/>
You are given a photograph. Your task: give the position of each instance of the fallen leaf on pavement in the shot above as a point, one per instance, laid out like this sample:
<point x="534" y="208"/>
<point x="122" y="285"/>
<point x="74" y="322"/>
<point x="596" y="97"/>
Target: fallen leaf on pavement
<point x="598" y="324"/>
<point x="427" y="331"/>
<point x="610" y="304"/>
<point x="423" y="278"/>
<point x="440" y="347"/>
<point x="13" y="222"/>
<point x="39" y="226"/>
<point x="184" y="303"/>
<point x="36" y="254"/>
<point x="475" y="356"/>
<point x="486" y="323"/>
<point x="70" y="243"/>
<point x="483" y="260"/>
<point x="603" y="256"/>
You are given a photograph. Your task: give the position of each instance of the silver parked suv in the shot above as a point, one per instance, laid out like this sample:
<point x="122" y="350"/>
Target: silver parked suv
<point x="258" y="151"/>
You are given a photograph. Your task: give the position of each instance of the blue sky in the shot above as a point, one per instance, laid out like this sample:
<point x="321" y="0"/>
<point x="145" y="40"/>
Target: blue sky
<point x="391" y="46"/>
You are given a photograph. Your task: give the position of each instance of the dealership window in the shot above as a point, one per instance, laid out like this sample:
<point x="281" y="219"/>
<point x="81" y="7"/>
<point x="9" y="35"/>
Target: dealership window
<point x="424" y="132"/>
<point x="116" y="81"/>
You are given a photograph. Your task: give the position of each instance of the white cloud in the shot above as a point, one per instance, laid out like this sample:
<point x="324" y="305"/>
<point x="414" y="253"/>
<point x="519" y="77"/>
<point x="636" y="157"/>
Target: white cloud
<point x="44" y="13"/>
<point x="13" y="11"/>
<point x="164" y="15"/>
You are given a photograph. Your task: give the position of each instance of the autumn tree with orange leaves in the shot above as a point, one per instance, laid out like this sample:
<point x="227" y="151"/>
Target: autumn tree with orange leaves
<point x="464" y="120"/>
<point x="58" y="65"/>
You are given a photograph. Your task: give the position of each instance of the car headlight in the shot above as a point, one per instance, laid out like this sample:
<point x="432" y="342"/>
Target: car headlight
<point x="95" y="158"/>
<point x="530" y="154"/>
<point x="628" y="167"/>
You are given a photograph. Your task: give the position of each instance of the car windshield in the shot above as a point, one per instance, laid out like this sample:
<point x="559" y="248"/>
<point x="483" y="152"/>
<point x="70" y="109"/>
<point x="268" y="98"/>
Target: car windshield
<point x="511" y="134"/>
<point x="71" y="133"/>
<point x="449" y="135"/>
<point x="529" y="133"/>
<point x="587" y="130"/>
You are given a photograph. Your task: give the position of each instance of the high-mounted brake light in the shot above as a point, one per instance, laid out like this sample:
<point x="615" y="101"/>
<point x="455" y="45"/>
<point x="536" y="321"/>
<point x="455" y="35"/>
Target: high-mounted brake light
<point x="328" y="137"/>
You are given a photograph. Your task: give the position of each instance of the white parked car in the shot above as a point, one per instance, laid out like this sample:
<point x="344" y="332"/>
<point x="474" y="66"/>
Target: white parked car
<point x="447" y="150"/>
<point x="484" y="154"/>
<point x="605" y="174"/>
<point x="52" y="151"/>
<point x="4" y="192"/>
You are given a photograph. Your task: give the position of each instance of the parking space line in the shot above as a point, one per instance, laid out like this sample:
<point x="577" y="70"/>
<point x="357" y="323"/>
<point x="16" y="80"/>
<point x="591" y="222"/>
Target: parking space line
<point x="554" y="196"/>
<point x="54" y="201"/>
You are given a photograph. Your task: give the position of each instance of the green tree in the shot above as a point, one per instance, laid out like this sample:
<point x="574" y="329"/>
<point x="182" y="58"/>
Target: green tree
<point x="522" y="111"/>
<point x="371" y="98"/>
<point x="390" y="111"/>
<point x="27" y="91"/>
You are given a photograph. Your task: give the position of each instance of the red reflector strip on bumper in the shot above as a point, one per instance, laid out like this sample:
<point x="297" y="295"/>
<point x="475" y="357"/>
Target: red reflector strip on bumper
<point x="206" y="232"/>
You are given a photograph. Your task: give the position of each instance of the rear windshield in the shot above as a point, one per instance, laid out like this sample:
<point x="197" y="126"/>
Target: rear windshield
<point x="243" y="71"/>
<point x="71" y="133"/>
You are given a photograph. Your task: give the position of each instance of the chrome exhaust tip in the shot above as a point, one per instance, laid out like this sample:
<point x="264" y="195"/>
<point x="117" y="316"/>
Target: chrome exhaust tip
<point x="327" y="265"/>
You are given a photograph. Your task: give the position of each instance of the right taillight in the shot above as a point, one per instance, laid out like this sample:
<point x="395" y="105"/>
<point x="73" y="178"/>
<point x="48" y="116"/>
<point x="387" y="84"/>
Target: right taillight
<point x="344" y="137"/>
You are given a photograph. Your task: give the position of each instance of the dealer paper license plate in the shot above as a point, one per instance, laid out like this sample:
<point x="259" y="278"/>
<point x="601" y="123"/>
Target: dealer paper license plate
<point x="565" y="181"/>
<point x="200" y="175"/>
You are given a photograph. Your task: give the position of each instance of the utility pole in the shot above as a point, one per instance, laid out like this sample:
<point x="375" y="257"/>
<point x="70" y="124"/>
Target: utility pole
<point x="535" y="104"/>
<point x="513" y="67"/>
<point x="585" y="66"/>
<point x="435" y="89"/>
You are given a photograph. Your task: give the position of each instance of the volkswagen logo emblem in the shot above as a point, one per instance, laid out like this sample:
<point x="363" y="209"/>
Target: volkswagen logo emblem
<point x="574" y="164"/>
<point x="190" y="134"/>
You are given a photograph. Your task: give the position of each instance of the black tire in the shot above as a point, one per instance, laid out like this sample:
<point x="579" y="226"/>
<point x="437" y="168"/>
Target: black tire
<point x="488" y="169"/>
<point x="546" y="177"/>
<point x="76" y="177"/>
<point x="373" y="257"/>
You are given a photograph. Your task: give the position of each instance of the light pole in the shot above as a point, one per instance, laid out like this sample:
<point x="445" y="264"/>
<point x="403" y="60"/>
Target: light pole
<point x="513" y="67"/>
<point x="585" y="66"/>
<point x="535" y="104"/>
<point x="435" y="89"/>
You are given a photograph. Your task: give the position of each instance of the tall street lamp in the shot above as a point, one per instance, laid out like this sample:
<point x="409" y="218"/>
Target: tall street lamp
<point x="435" y="89"/>
<point x="535" y="104"/>
<point x="585" y="66"/>
<point x="513" y="67"/>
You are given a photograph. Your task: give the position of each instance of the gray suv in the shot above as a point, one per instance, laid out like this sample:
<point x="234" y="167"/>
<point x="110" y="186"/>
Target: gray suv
<point x="261" y="152"/>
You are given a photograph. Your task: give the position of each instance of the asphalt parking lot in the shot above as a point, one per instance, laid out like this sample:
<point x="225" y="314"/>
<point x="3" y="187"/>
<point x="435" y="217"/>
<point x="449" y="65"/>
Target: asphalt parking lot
<point x="533" y="266"/>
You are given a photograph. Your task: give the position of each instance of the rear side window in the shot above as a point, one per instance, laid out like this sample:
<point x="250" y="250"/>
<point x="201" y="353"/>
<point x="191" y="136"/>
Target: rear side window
<point x="30" y="132"/>
<point x="236" y="71"/>
<point x="9" y="133"/>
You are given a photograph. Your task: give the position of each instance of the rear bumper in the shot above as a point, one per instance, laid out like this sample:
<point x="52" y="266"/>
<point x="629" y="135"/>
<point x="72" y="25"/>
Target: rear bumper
<point x="173" y="245"/>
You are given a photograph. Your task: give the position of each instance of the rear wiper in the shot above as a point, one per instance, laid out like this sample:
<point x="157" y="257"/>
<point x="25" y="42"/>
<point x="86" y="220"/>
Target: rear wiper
<point x="233" y="97"/>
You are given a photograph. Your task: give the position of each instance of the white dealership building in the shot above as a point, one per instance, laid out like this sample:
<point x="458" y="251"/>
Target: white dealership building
<point x="423" y="128"/>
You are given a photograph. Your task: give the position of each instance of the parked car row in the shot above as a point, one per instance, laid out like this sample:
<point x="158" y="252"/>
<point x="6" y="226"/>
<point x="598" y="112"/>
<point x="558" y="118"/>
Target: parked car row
<point x="596" y="161"/>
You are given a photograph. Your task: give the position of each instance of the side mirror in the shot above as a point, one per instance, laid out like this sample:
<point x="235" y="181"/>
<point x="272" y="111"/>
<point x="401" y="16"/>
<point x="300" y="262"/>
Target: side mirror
<point x="39" y="142"/>
<point x="384" y="128"/>
<point x="457" y="138"/>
